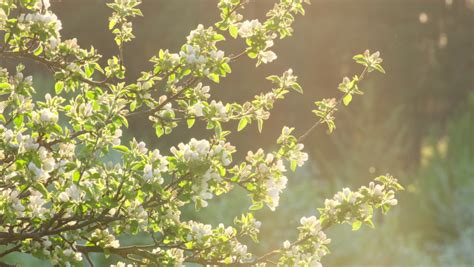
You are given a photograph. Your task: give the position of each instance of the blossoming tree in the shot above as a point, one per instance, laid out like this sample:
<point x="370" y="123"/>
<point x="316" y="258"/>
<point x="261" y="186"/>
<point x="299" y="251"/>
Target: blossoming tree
<point x="60" y="201"/>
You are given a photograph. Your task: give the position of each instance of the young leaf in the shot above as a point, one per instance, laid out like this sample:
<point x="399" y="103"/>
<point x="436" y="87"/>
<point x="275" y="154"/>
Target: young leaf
<point x="356" y="225"/>
<point x="233" y="31"/>
<point x="190" y="122"/>
<point x="242" y="124"/>
<point x="58" y="87"/>
<point x="122" y="149"/>
<point x="347" y="99"/>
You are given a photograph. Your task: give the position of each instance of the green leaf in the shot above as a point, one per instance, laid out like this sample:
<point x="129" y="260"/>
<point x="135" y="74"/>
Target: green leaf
<point x="18" y="121"/>
<point x="252" y="54"/>
<point x="58" y="129"/>
<point x="370" y="223"/>
<point x="90" y="95"/>
<point x="356" y="225"/>
<point x="293" y="165"/>
<point x="159" y="131"/>
<point x="42" y="189"/>
<point x="38" y="50"/>
<point x="89" y="70"/>
<point x="218" y="37"/>
<point x="275" y="79"/>
<point x="218" y="129"/>
<point x="122" y="120"/>
<point x="214" y="77"/>
<point x="233" y="31"/>
<point x="58" y="87"/>
<point x="242" y="124"/>
<point x="347" y="99"/>
<point x="297" y="88"/>
<point x="379" y="68"/>
<point x="256" y="206"/>
<point x="4" y="85"/>
<point x="358" y="57"/>
<point x="189" y="245"/>
<point x="190" y="122"/>
<point x="121" y="148"/>
<point x="226" y="68"/>
<point x="76" y="175"/>
<point x="133" y="105"/>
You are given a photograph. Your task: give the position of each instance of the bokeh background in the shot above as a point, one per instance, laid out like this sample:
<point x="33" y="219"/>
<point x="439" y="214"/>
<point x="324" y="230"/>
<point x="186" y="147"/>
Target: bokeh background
<point x="416" y="121"/>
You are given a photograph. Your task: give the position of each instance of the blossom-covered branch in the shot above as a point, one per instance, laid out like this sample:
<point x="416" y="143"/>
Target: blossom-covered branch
<point x="61" y="198"/>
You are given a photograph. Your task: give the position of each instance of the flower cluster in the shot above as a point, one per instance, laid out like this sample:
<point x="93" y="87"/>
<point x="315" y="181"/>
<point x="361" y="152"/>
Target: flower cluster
<point x="192" y="55"/>
<point x="104" y="239"/>
<point x="203" y="160"/>
<point x="41" y="23"/>
<point x="268" y="174"/>
<point x="325" y="112"/>
<point x="356" y="207"/>
<point x="291" y="149"/>
<point x="248" y="226"/>
<point x="310" y="247"/>
<point x="204" y="236"/>
<point x="371" y="61"/>
<point x="11" y="204"/>
<point x="259" y="40"/>
<point x="201" y="150"/>
<point x="345" y="207"/>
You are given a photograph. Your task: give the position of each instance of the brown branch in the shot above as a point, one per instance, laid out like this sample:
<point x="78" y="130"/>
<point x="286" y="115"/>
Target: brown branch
<point x="51" y="65"/>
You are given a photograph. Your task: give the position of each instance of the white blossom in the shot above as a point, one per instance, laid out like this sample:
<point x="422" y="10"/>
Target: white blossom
<point x="72" y="193"/>
<point x="39" y="174"/>
<point x="201" y="91"/>
<point x="148" y="172"/>
<point x="12" y="197"/>
<point x="297" y="155"/>
<point x="196" y="109"/>
<point x="36" y="204"/>
<point x="29" y="143"/>
<point x="312" y="224"/>
<point x="199" y="231"/>
<point x="42" y="4"/>
<point x="85" y="109"/>
<point x="267" y="56"/>
<point x="192" y="55"/>
<point x="248" y="28"/>
<point x="195" y="150"/>
<point x="47" y="116"/>
<point x="195" y="33"/>
<point x="116" y="137"/>
<point x="217" y="55"/>
<point x="142" y="148"/>
<point x="274" y="188"/>
<point x="67" y="149"/>
<point x="219" y="109"/>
